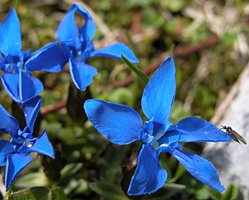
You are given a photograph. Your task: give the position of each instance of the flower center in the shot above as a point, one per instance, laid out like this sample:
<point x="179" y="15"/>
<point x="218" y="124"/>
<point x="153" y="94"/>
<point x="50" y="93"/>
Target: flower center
<point x="12" y="64"/>
<point x="152" y="132"/>
<point x="22" y="141"/>
<point x="81" y="50"/>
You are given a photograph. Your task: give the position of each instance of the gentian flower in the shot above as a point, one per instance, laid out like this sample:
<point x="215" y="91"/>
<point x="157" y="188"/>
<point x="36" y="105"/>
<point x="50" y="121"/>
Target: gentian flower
<point x="123" y="125"/>
<point x="14" y="154"/>
<point x="17" y="80"/>
<point x="76" y="47"/>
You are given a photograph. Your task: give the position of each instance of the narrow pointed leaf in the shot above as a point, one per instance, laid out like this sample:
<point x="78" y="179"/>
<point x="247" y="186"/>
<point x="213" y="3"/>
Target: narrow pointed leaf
<point x="135" y="69"/>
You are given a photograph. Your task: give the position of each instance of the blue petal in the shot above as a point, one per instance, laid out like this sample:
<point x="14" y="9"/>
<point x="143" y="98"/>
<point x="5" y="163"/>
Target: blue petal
<point x="5" y="148"/>
<point x="68" y="29"/>
<point x="82" y="74"/>
<point x="14" y="165"/>
<point x="88" y="30"/>
<point x="11" y="85"/>
<point x="43" y="146"/>
<point x="10" y="35"/>
<point x="31" y="109"/>
<point x="50" y="58"/>
<point x="119" y="123"/>
<point x="149" y="176"/>
<point x="115" y="51"/>
<point x="194" y="129"/>
<point x="2" y="67"/>
<point x="158" y="95"/>
<point x="8" y="124"/>
<point x="200" y="168"/>
<point x="26" y="54"/>
<point x="21" y="87"/>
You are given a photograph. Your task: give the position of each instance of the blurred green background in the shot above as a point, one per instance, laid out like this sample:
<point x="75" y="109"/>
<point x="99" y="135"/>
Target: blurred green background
<point x="210" y="45"/>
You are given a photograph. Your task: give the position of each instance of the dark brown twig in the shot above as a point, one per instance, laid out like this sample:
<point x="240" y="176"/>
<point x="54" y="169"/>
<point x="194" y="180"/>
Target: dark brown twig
<point x="180" y="51"/>
<point x="183" y="51"/>
<point x="53" y="107"/>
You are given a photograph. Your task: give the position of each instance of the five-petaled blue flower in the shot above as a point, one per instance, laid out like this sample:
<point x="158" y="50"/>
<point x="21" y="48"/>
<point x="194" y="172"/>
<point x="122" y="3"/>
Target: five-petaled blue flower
<point x="75" y="46"/>
<point x="17" y="80"/>
<point x="14" y="154"/>
<point x="123" y="125"/>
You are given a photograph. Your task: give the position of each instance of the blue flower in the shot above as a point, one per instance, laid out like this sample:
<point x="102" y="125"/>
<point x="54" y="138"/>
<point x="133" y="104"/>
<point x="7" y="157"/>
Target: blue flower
<point x="17" y="81"/>
<point x="123" y="125"/>
<point x="14" y="154"/>
<point x="75" y="46"/>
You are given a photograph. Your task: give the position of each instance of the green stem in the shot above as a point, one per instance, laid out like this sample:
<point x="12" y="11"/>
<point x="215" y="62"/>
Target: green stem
<point x="8" y="194"/>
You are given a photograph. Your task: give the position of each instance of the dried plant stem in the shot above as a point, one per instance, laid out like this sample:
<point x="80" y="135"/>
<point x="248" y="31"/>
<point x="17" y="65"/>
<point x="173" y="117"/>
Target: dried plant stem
<point x="2" y="186"/>
<point x="53" y="107"/>
<point x="179" y="52"/>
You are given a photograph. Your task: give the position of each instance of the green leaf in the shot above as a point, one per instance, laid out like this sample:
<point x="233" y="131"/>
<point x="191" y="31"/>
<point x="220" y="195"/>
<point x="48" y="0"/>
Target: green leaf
<point x="121" y="95"/>
<point x="30" y="179"/>
<point x="179" y="172"/>
<point x="214" y="194"/>
<point x="134" y="68"/>
<point x="202" y="193"/>
<point x="166" y="192"/>
<point x="57" y="194"/>
<point x="229" y="38"/>
<point x="70" y="170"/>
<point x="174" y="6"/>
<point x="41" y="193"/>
<point x="108" y="190"/>
<point x="232" y="193"/>
<point x="113" y="158"/>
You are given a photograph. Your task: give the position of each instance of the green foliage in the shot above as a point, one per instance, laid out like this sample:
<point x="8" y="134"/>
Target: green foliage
<point x="109" y="191"/>
<point x="89" y="166"/>
<point x="174" y="6"/>
<point x="232" y="193"/>
<point x="35" y="193"/>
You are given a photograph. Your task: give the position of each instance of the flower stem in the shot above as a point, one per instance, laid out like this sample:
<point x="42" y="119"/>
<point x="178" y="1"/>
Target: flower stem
<point x="8" y="194"/>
